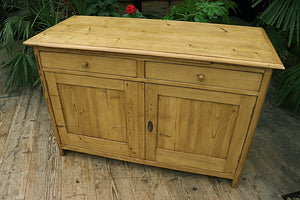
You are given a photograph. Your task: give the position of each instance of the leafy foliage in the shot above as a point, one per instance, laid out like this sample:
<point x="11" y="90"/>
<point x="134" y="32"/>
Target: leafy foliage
<point x="36" y="16"/>
<point x="102" y="8"/>
<point x="4" y="10"/>
<point x="80" y="7"/>
<point x="202" y="11"/>
<point x="2" y="14"/>
<point x="47" y="12"/>
<point x="279" y="42"/>
<point x="22" y="70"/>
<point x="282" y="20"/>
<point x="289" y="90"/>
<point x="283" y="15"/>
<point x="137" y="14"/>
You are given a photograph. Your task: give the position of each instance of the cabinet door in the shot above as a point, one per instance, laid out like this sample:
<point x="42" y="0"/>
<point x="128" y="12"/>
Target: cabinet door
<point x="98" y="115"/>
<point x="194" y="128"/>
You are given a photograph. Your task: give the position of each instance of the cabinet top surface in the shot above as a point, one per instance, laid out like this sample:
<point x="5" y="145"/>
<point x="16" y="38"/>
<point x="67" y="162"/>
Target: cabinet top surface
<point x="241" y="45"/>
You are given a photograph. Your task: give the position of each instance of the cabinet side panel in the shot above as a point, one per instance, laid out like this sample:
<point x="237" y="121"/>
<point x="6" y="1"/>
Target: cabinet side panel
<point x="47" y="98"/>
<point x="252" y="127"/>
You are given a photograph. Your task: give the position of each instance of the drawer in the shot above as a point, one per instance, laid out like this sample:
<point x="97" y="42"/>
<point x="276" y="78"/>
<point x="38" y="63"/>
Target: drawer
<point x="87" y="63"/>
<point x="204" y="75"/>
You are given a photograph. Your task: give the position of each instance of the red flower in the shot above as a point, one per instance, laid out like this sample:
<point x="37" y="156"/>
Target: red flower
<point x="131" y="9"/>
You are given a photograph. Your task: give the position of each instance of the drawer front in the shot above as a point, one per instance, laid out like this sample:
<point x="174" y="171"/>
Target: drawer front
<point x="204" y="75"/>
<point x="86" y="63"/>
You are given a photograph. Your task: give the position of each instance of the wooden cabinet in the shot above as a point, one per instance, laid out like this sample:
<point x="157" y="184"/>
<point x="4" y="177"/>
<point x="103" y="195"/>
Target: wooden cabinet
<point x="163" y="97"/>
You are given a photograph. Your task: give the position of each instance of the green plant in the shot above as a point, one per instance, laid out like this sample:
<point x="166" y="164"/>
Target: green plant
<point x="35" y="16"/>
<point x="19" y="68"/>
<point x="134" y="15"/>
<point x="22" y="70"/>
<point x="289" y="90"/>
<point x="5" y="8"/>
<point x="279" y="42"/>
<point x="202" y="11"/>
<point x="2" y="13"/>
<point x="102" y="8"/>
<point x="283" y="15"/>
<point x="80" y="7"/>
<point x="47" y="13"/>
<point x="281" y="21"/>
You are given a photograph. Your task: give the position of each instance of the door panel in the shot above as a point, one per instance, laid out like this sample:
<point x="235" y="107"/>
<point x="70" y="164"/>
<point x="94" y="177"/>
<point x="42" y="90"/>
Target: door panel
<point x="98" y="114"/>
<point x="183" y="119"/>
<point x="202" y="129"/>
<point x="94" y="112"/>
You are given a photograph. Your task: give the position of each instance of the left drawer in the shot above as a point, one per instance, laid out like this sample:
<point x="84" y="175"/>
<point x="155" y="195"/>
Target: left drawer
<point x="89" y="63"/>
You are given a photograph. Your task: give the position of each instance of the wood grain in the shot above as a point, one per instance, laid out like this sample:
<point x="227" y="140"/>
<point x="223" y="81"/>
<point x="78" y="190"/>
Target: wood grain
<point x="145" y="185"/>
<point x="253" y="123"/>
<point x="213" y="77"/>
<point x="164" y="82"/>
<point x="135" y="118"/>
<point x="94" y="112"/>
<point x="226" y="43"/>
<point x="151" y="104"/>
<point x="18" y="147"/>
<point x="77" y="177"/>
<point x="119" y="156"/>
<point x="208" y="126"/>
<point x="93" y="63"/>
<point x="44" y="180"/>
<point x="240" y="132"/>
<point x="190" y="160"/>
<point x="86" y="81"/>
<point x="271" y="168"/>
<point x="104" y="116"/>
<point x="7" y="113"/>
<point x="173" y="60"/>
<point x="154" y="92"/>
<point x="195" y="128"/>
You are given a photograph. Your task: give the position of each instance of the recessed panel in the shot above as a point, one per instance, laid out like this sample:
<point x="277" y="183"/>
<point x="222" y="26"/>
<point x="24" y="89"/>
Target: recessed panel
<point x="94" y="112"/>
<point x="197" y="127"/>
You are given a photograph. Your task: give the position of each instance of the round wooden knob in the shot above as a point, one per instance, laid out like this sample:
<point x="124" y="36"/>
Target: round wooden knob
<point x="200" y="77"/>
<point x="84" y="65"/>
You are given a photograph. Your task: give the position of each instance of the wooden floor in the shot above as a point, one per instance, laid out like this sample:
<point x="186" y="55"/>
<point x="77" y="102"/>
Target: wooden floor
<point x="31" y="168"/>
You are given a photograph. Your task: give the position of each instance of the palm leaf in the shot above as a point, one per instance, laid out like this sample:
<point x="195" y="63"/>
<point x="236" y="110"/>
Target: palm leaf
<point x="284" y="15"/>
<point x="80" y="7"/>
<point x="289" y="91"/>
<point x="21" y="68"/>
<point x="279" y="42"/>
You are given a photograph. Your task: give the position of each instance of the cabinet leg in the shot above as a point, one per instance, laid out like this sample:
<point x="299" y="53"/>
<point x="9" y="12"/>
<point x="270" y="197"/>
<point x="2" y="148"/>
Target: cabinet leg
<point x="235" y="182"/>
<point x="61" y="152"/>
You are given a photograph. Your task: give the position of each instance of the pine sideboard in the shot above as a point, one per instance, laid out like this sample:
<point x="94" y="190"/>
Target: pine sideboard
<point x="181" y="95"/>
